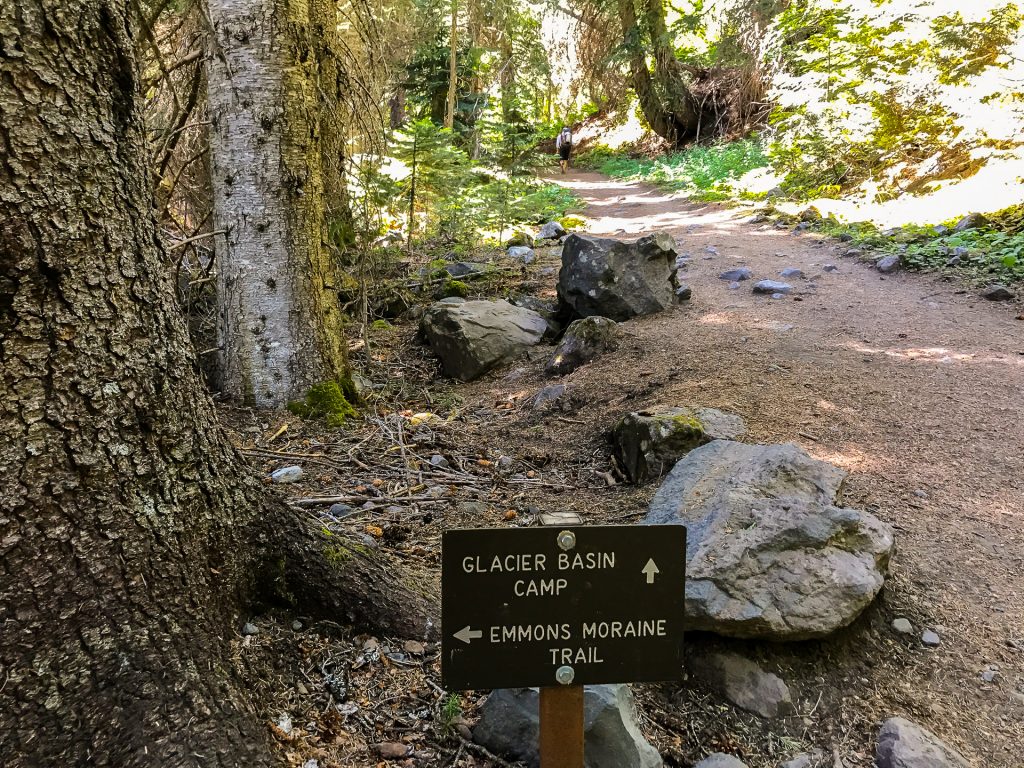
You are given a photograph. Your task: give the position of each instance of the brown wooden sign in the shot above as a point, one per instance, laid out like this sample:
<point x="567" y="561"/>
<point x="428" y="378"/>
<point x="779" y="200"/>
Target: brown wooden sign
<point x="579" y="605"/>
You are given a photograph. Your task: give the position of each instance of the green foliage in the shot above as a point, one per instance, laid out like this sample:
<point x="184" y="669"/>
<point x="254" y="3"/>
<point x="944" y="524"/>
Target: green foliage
<point x="330" y="400"/>
<point x="451" y="710"/>
<point x="706" y="173"/>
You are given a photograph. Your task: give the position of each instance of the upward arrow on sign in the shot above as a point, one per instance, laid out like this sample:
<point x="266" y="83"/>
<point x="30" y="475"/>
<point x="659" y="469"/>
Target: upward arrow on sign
<point x="649" y="570"/>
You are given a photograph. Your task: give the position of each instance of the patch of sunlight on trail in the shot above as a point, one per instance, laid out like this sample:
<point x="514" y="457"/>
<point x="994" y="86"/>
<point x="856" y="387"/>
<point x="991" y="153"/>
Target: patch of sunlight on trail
<point x="850" y="459"/>
<point x="936" y="355"/>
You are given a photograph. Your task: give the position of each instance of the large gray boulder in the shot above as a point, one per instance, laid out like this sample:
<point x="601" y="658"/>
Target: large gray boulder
<point x="618" y="280"/>
<point x="509" y="726"/>
<point x="903" y="744"/>
<point x="584" y="340"/>
<point x="742" y="682"/>
<point x="649" y="443"/>
<point x="472" y="337"/>
<point x="769" y="554"/>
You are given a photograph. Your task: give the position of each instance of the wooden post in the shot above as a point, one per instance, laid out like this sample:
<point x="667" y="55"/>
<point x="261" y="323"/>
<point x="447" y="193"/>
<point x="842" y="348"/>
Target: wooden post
<point x="561" y="727"/>
<point x="561" y="708"/>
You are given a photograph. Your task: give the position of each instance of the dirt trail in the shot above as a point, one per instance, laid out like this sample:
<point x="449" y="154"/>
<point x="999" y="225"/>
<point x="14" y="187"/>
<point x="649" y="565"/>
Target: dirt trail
<point x="911" y="383"/>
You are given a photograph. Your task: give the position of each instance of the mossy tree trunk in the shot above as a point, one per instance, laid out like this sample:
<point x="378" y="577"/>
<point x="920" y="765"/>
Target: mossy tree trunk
<point x="278" y="189"/>
<point x="133" y="538"/>
<point x="665" y="100"/>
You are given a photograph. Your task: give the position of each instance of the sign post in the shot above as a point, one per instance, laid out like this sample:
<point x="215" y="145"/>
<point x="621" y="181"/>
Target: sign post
<point x="559" y="608"/>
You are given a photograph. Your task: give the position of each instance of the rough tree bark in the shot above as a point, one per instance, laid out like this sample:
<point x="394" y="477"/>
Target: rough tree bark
<point x="276" y="157"/>
<point x="132" y="536"/>
<point x="666" y="102"/>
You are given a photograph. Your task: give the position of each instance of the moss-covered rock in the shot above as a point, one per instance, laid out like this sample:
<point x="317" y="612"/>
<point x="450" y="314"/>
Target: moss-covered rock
<point x="583" y="341"/>
<point x="649" y="443"/>
<point x="330" y="400"/>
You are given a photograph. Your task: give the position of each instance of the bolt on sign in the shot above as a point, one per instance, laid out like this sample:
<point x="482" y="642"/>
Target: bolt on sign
<point x="580" y="605"/>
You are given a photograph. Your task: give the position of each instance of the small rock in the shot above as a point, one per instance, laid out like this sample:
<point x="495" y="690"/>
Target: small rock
<point x="903" y="626"/>
<point x="970" y="221"/>
<point x="811" y="213"/>
<point x="744" y="683"/>
<point x="792" y="272"/>
<point x="284" y="723"/>
<point x="998" y="293"/>
<point x="584" y="340"/>
<point x="930" y="638"/>
<point x="509" y="726"/>
<point x="414" y="647"/>
<point x="940" y="229"/>
<point x="684" y="293"/>
<point x="921" y="494"/>
<point x="523" y="253"/>
<point x="249" y="629"/>
<point x="830" y="268"/>
<point x="734" y="286"/>
<point x="733" y="275"/>
<point x="711" y="249"/>
<point x="296" y="626"/>
<point x="802" y="226"/>
<point x="888" y="264"/>
<point x="953" y="261"/>
<point x="903" y="744"/>
<point x="463" y="268"/>
<point x="551" y="231"/>
<point x="286" y="474"/>
<point x="520" y="238"/>
<point x="989" y="675"/>
<point x="649" y="443"/>
<point x="340" y="510"/>
<point x="815" y="759"/>
<point x="720" y="760"/>
<point x="392" y="750"/>
<point x="845" y="237"/>
<point x="439" y="461"/>
<point x="474" y="508"/>
<point x="778" y="295"/>
<point x="771" y="286"/>
<point x="548" y="395"/>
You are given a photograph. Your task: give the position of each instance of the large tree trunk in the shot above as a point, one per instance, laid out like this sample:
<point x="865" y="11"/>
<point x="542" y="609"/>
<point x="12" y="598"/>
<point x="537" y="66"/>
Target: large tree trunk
<point x="132" y="536"/>
<point x="276" y="176"/>
<point x="664" y="98"/>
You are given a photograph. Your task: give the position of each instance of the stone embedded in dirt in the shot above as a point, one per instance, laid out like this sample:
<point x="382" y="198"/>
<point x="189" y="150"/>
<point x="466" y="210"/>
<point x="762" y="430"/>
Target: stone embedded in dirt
<point x="549" y="395"/>
<point x="735" y="275"/>
<point x="769" y="553"/>
<point x="286" y="475"/>
<point x="463" y="268"/>
<point x="473" y="337"/>
<point x="618" y="280"/>
<point x="523" y="253"/>
<point x="392" y="750"/>
<point x="771" y="286"/>
<point x="802" y="226"/>
<point x="778" y="295"/>
<point x="830" y="268"/>
<point x="990" y="674"/>
<point x="340" y="510"/>
<point x="551" y="231"/>
<point x="998" y="292"/>
<point x="903" y="626"/>
<point x="720" y="760"/>
<point x="439" y="461"/>
<point x="888" y="264"/>
<point x="815" y="759"/>
<point x="734" y="286"/>
<point x="793" y="272"/>
<point x="970" y="221"/>
<point x="649" y="443"/>
<point x="711" y="249"/>
<point x="744" y="683"/>
<point x="584" y="340"/>
<point x="509" y="725"/>
<point x="903" y="744"/>
<point x="931" y="638"/>
<point x="684" y="293"/>
<point x="845" y="237"/>
<point x="250" y="629"/>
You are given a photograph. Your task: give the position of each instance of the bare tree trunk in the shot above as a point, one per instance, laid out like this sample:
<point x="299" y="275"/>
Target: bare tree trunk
<point x="276" y="177"/>
<point x="132" y="536"/>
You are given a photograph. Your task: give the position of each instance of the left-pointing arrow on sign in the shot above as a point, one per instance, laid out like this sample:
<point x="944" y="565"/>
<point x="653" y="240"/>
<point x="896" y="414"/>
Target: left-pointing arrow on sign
<point x="466" y="634"/>
<point x="649" y="570"/>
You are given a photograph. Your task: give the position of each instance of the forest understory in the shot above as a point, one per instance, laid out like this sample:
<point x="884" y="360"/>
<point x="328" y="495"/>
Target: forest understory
<point x="911" y="383"/>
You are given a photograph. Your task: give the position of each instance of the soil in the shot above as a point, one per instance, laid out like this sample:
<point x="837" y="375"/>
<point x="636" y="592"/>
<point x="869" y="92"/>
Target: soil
<point x="912" y="383"/>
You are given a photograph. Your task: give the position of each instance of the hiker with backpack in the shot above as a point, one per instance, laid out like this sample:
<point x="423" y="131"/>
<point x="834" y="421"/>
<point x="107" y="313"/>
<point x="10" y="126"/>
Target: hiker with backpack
<point x="564" y="146"/>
